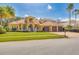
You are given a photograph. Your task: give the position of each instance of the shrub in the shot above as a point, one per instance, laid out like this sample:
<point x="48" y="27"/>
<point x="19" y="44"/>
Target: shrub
<point x="68" y="27"/>
<point x="7" y="29"/>
<point x="2" y="30"/>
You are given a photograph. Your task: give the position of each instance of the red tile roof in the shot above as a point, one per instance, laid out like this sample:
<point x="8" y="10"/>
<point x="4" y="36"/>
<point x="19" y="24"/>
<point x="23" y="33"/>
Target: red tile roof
<point x="45" y="23"/>
<point x="17" y="22"/>
<point x="48" y="23"/>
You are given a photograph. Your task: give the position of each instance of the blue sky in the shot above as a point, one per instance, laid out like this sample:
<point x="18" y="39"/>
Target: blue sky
<point x="43" y="10"/>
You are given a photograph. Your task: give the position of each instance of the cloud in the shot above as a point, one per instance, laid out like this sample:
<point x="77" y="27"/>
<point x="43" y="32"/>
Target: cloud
<point x="38" y="18"/>
<point x="49" y="7"/>
<point x="26" y="15"/>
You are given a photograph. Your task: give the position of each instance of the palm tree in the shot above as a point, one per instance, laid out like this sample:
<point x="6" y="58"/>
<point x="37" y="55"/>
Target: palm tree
<point x="10" y="12"/>
<point x="69" y="8"/>
<point x="2" y="13"/>
<point x="76" y="12"/>
<point x="6" y="12"/>
<point x="29" y="20"/>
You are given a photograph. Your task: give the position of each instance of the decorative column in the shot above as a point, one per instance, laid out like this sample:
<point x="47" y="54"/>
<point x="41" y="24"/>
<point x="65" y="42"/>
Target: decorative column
<point x="18" y="28"/>
<point x="10" y="27"/>
<point x="41" y="28"/>
<point x="50" y="28"/>
<point x="57" y="27"/>
<point x="27" y="27"/>
<point x="33" y="27"/>
<point x="21" y="27"/>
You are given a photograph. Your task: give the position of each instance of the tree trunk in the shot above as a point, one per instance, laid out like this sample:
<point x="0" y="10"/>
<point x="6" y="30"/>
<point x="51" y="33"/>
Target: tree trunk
<point x="1" y="20"/>
<point x="75" y="20"/>
<point x="70" y="18"/>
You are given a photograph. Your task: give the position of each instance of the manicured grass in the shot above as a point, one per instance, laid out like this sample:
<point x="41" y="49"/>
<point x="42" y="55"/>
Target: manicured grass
<point x="19" y="36"/>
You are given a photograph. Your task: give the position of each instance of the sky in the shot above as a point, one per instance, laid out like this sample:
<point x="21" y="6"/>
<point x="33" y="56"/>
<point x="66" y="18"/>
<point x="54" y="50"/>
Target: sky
<point x="41" y="10"/>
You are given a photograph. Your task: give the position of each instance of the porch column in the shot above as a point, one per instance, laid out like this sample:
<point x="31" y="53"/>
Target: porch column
<point x="10" y="27"/>
<point x="21" y="27"/>
<point x="27" y="27"/>
<point x="57" y="28"/>
<point x="33" y="26"/>
<point x="50" y="28"/>
<point x="41" y="28"/>
<point x="18" y="28"/>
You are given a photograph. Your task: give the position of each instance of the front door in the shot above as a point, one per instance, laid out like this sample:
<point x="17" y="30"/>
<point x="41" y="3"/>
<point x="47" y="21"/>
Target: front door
<point x="46" y="29"/>
<point x="31" y="28"/>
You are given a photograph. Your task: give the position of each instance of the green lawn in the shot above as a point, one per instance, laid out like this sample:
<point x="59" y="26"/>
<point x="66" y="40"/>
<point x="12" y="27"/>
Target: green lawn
<point x="19" y="36"/>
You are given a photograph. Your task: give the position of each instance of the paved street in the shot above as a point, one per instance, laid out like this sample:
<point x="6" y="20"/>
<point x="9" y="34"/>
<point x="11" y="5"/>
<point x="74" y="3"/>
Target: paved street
<point x="41" y="47"/>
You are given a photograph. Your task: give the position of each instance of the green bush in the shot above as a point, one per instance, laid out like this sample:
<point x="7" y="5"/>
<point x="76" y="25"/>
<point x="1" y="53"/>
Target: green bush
<point x="2" y="30"/>
<point x="7" y="29"/>
<point x="68" y="27"/>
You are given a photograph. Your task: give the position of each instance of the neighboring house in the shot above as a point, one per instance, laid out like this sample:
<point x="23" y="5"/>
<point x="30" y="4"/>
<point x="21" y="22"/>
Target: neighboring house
<point x="32" y="24"/>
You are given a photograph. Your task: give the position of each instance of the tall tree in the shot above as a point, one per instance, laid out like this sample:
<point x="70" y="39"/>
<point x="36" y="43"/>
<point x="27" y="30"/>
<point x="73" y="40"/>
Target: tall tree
<point x="76" y="12"/>
<point x="70" y="8"/>
<point x="10" y="12"/>
<point x="6" y="12"/>
<point x="29" y="20"/>
<point x="2" y="13"/>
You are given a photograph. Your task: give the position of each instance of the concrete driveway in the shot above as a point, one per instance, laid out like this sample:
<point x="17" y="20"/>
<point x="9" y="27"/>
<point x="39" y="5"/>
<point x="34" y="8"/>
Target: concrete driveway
<point x="69" y="34"/>
<point x="41" y="47"/>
